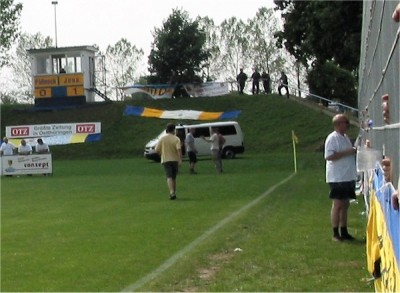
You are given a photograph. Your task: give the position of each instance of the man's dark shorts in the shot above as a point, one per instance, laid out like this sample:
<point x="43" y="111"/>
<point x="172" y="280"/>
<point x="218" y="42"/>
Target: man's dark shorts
<point x="342" y="190"/>
<point x="192" y="157"/>
<point x="171" y="169"/>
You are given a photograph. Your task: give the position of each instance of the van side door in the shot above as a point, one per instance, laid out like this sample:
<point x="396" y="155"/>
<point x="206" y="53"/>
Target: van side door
<point x="203" y="147"/>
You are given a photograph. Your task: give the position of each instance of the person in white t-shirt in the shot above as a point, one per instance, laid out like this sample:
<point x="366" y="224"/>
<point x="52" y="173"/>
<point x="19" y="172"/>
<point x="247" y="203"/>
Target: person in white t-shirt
<point x="24" y="148"/>
<point x="41" y="147"/>
<point x="341" y="175"/>
<point x="217" y="141"/>
<point x="7" y="148"/>
<point x="191" y="150"/>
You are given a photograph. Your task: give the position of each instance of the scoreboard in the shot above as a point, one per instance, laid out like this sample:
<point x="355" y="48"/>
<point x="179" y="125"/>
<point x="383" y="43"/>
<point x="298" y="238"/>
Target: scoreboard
<point x="59" y="86"/>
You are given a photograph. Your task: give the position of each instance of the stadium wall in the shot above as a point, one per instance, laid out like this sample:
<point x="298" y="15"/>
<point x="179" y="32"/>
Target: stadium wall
<point x="379" y="76"/>
<point x="379" y="111"/>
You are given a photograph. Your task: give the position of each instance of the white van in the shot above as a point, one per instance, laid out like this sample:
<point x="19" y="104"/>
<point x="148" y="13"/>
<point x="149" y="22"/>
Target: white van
<point x="230" y="130"/>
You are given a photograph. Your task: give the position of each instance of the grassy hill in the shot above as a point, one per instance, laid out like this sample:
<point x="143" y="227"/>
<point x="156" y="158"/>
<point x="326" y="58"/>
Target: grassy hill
<point x="266" y="120"/>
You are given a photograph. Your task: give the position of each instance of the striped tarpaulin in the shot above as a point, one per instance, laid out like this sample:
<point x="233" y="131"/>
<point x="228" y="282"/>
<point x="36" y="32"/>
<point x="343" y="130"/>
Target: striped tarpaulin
<point x="179" y="114"/>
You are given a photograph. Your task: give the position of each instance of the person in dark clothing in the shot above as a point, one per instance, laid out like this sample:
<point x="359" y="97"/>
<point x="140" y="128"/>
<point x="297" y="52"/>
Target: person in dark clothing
<point x="241" y="79"/>
<point x="283" y="83"/>
<point x="266" y="80"/>
<point x="256" y="76"/>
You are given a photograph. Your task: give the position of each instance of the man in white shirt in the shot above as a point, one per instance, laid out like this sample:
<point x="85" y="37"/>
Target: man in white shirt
<point x="217" y="141"/>
<point x="41" y="147"/>
<point x="191" y="150"/>
<point x="24" y="148"/>
<point x="6" y="148"/>
<point x="340" y="175"/>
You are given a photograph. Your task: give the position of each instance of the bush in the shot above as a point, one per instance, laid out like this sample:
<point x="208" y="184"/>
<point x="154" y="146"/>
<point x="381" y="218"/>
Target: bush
<point x="334" y="83"/>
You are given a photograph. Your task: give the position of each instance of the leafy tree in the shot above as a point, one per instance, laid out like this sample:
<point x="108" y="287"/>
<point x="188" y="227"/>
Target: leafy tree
<point x="332" y="82"/>
<point x="213" y="66"/>
<point x="121" y="64"/>
<point x="323" y="31"/>
<point x="9" y="14"/>
<point x="261" y="31"/>
<point x="21" y="65"/>
<point x="234" y="46"/>
<point x="266" y="56"/>
<point x="178" y="48"/>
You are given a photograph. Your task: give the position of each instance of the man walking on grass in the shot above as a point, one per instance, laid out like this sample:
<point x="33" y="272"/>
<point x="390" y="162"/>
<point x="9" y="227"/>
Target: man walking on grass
<point x="169" y="148"/>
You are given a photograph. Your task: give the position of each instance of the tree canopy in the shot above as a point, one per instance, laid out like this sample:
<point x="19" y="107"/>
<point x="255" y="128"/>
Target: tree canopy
<point x="324" y="30"/>
<point x="327" y="36"/>
<point x="122" y="61"/>
<point x="178" y="49"/>
<point x="9" y="16"/>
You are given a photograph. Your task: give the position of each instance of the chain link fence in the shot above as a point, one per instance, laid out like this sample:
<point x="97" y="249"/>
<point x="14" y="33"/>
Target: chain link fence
<point x="379" y="77"/>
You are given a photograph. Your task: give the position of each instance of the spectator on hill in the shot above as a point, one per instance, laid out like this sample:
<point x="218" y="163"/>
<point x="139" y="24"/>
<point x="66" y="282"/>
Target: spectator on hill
<point x="169" y="148"/>
<point x="340" y="175"/>
<point x="241" y="79"/>
<point x="24" y="148"/>
<point x="7" y="148"/>
<point x="191" y="150"/>
<point x="283" y="83"/>
<point x="256" y="76"/>
<point x="266" y="80"/>
<point x="41" y="147"/>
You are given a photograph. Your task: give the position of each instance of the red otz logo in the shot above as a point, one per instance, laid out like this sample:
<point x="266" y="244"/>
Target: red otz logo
<point x="20" y="131"/>
<point x="85" y="128"/>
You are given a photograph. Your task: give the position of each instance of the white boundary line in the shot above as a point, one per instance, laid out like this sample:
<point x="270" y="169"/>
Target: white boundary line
<point x="173" y="259"/>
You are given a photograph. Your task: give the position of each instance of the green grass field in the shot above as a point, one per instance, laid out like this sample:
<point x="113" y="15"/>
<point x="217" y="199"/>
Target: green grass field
<point x="105" y="225"/>
<point x="103" y="221"/>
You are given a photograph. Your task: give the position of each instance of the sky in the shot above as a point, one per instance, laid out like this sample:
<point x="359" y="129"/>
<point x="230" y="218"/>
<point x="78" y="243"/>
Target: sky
<point x="88" y="22"/>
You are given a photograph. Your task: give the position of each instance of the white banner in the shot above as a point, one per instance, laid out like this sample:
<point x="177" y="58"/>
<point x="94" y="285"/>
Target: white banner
<point x="155" y="91"/>
<point x="43" y="130"/>
<point x="208" y="89"/>
<point x="195" y="90"/>
<point x="30" y="164"/>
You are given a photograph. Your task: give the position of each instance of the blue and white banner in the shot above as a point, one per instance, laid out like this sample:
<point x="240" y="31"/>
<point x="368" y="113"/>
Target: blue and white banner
<point x="54" y="134"/>
<point x="179" y="114"/>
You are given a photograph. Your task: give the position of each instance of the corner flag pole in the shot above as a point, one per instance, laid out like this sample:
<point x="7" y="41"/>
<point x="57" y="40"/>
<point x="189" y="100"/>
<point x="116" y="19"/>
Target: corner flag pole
<point x="294" y="141"/>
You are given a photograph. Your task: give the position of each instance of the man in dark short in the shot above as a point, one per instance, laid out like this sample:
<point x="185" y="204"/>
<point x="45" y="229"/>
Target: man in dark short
<point x="169" y="148"/>
<point x="341" y="175"/>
